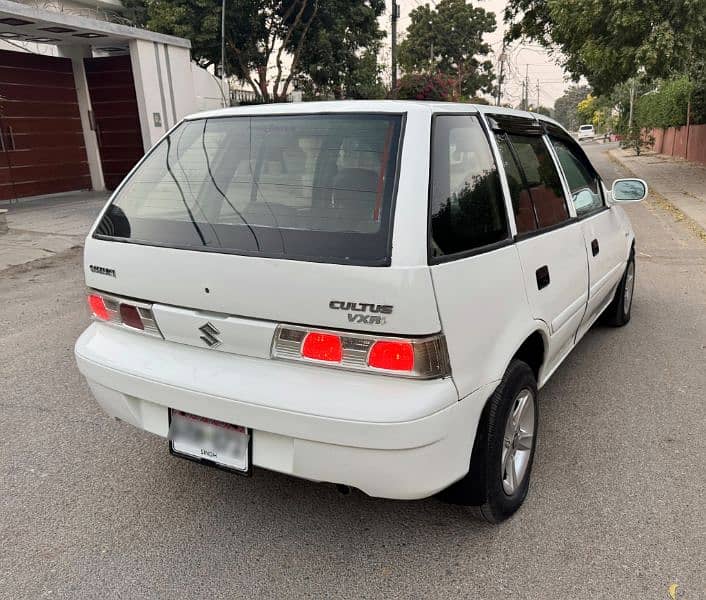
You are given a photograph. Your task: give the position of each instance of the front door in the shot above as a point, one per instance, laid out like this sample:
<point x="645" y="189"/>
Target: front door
<point x="550" y="242"/>
<point x="602" y="231"/>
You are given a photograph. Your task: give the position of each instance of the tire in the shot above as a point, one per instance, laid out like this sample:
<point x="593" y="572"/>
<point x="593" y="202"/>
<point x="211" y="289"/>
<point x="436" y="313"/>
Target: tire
<point x="618" y="312"/>
<point x="487" y="483"/>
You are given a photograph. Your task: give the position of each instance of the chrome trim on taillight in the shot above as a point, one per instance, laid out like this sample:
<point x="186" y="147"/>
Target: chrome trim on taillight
<point x="112" y="305"/>
<point x="431" y="358"/>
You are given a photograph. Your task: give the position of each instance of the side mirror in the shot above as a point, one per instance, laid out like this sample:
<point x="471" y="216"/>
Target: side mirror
<point x="629" y="190"/>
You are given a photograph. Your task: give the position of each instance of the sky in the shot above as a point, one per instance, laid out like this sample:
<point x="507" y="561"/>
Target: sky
<point x="531" y="58"/>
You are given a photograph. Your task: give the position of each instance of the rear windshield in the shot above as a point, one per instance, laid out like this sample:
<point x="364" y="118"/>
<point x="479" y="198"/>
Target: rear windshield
<point x="306" y="187"/>
<point x="586" y="127"/>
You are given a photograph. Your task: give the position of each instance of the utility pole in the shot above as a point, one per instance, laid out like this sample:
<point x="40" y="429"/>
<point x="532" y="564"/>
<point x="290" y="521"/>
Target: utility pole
<point x="226" y="100"/>
<point x="526" y="107"/>
<point x="632" y="102"/>
<point x="522" y="99"/>
<point x="536" y="106"/>
<point x="500" y="79"/>
<point x="393" y="45"/>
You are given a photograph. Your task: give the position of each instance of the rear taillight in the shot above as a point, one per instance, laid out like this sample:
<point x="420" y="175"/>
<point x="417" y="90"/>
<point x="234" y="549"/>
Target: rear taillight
<point x="393" y="356"/>
<point x="322" y="346"/>
<point x="123" y="312"/>
<point x="97" y="306"/>
<point x="424" y="358"/>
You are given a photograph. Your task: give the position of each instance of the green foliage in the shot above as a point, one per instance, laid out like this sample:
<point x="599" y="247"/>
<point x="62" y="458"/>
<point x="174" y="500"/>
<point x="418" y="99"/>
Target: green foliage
<point x="610" y="41"/>
<point x="269" y="43"/>
<point x="636" y="139"/>
<point x="566" y="107"/>
<point x="666" y="106"/>
<point x="426" y="86"/>
<point x="449" y="39"/>
<point x="587" y="108"/>
<point x="542" y="110"/>
<point x="339" y="53"/>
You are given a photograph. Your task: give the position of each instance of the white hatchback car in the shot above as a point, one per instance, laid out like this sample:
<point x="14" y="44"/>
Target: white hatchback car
<point x="367" y="293"/>
<point x="586" y="132"/>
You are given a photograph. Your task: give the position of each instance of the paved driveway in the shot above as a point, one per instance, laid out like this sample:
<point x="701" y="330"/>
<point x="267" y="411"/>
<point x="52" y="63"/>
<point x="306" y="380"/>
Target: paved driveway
<point x="92" y="508"/>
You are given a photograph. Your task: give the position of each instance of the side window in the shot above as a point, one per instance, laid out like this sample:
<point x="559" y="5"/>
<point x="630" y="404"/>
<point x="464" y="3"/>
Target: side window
<point x="582" y="178"/>
<point x="525" y="219"/>
<point x="540" y="179"/>
<point x="467" y="207"/>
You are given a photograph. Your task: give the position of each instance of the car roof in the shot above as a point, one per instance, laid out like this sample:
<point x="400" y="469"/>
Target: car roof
<point x="358" y="106"/>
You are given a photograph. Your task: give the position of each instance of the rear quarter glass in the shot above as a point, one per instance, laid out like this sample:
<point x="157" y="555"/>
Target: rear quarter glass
<point x="314" y="187"/>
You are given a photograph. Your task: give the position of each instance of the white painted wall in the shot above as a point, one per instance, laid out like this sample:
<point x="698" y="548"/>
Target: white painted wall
<point x="164" y="85"/>
<point x="95" y="168"/>
<point x="207" y="88"/>
<point x="182" y="83"/>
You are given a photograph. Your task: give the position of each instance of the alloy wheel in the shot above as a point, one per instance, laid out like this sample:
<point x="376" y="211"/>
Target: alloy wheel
<point x="517" y="441"/>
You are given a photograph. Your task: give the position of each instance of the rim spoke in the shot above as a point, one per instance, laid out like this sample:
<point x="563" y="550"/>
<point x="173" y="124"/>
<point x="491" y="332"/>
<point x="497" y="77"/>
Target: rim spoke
<point x="513" y="473"/>
<point x="524" y="440"/>
<point x="521" y="406"/>
<point x="509" y="469"/>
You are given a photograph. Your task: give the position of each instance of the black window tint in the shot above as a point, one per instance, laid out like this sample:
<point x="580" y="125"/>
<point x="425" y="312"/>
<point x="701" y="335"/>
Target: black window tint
<point x="541" y="179"/>
<point x="467" y="206"/>
<point x="519" y="193"/>
<point x="582" y="178"/>
<point x="306" y="187"/>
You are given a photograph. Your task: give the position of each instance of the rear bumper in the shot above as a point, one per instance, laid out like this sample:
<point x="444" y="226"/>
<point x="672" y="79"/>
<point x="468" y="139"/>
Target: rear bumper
<point x="391" y="438"/>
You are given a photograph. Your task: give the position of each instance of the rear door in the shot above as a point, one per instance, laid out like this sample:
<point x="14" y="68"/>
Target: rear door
<point x="282" y="218"/>
<point x="474" y="265"/>
<point x="549" y="239"/>
<point x="601" y="227"/>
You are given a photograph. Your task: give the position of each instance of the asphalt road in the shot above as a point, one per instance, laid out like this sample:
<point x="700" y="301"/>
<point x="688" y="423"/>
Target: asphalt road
<point x="92" y="508"/>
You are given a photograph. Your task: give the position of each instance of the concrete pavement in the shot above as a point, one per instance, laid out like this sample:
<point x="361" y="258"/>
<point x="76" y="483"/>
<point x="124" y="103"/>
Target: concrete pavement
<point x="681" y="183"/>
<point x="47" y="226"/>
<point x="92" y="508"/>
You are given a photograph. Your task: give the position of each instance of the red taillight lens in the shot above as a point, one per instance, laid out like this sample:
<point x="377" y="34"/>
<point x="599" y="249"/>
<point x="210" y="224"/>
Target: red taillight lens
<point x="131" y="317"/>
<point x="393" y="356"/>
<point x="97" y="306"/>
<point x="421" y="357"/>
<point x="323" y="346"/>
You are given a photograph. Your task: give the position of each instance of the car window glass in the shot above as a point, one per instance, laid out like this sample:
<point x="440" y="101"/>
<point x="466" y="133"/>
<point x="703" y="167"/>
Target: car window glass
<point x="541" y="178"/>
<point x="581" y="177"/>
<point x="521" y="201"/>
<point x="467" y="206"/>
<point x="306" y="187"/>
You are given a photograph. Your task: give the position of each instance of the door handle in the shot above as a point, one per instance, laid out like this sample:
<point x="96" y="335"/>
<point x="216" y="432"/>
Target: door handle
<point x="12" y="137"/>
<point x="594" y="247"/>
<point x="542" y="277"/>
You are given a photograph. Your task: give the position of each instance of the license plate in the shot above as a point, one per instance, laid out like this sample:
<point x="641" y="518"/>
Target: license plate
<point x="209" y="441"/>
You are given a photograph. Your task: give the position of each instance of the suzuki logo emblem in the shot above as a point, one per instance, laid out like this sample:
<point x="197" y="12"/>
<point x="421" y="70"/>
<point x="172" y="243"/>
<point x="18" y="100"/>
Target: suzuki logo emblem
<point x="209" y="335"/>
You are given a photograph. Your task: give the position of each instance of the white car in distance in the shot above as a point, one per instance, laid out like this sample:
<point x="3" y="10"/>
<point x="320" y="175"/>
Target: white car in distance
<point x="368" y="293"/>
<point x="586" y="132"/>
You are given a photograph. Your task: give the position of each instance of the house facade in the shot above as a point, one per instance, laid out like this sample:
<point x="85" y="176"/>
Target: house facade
<point x="83" y="96"/>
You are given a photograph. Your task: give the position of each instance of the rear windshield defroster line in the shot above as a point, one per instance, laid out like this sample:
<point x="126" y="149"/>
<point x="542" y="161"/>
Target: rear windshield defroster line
<point x="317" y="187"/>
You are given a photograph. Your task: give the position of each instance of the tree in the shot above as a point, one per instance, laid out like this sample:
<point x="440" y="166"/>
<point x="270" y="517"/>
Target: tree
<point x="426" y="86"/>
<point x="542" y="110"/>
<point x="566" y="107"/>
<point x="587" y="108"/>
<point x="609" y="42"/>
<point x="339" y="55"/>
<point x="449" y="39"/>
<point x="270" y="42"/>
